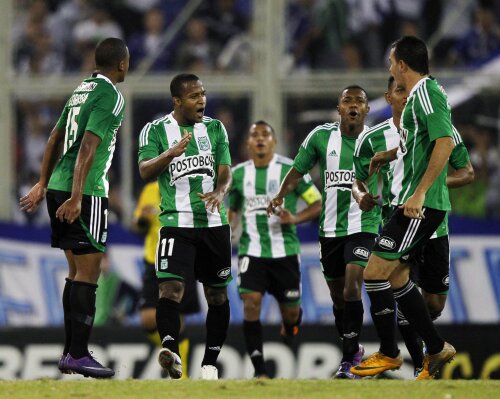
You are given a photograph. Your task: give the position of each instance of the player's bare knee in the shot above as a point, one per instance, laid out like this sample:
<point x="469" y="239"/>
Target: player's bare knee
<point x="215" y="296"/>
<point x="291" y="314"/>
<point x="172" y="289"/>
<point x="352" y="293"/>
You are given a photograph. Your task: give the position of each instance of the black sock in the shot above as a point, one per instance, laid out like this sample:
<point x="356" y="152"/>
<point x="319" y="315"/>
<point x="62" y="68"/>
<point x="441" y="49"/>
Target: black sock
<point x="413" y="307"/>
<point x="82" y="302"/>
<point x="353" y="320"/>
<point x="383" y="311"/>
<point x="412" y="340"/>
<point x="168" y="323"/>
<point x="67" y="314"/>
<point x="217" y="324"/>
<point x="338" y="315"/>
<point x="253" y="341"/>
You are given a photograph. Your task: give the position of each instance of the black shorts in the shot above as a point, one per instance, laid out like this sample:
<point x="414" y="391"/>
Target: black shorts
<point x="206" y="250"/>
<point x="149" y="294"/>
<point x="278" y="276"/>
<point x="86" y="235"/>
<point x="403" y="235"/>
<point x="337" y="252"/>
<point x="430" y="268"/>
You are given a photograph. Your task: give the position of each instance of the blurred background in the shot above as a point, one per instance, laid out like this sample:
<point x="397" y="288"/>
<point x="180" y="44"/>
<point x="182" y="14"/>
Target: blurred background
<point x="284" y="61"/>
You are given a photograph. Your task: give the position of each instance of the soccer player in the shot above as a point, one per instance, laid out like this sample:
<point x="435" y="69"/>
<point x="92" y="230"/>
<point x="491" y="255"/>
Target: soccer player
<point x="422" y="202"/>
<point x="74" y="178"/>
<point x="268" y="247"/>
<point x="147" y="223"/>
<point x="189" y="155"/>
<point x="346" y="234"/>
<point x="429" y="268"/>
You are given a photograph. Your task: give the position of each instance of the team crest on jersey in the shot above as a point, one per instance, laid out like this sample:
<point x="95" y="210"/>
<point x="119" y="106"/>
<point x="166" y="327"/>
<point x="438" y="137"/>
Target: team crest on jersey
<point x="197" y="165"/>
<point x="203" y="143"/>
<point x="273" y="187"/>
<point x="341" y="179"/>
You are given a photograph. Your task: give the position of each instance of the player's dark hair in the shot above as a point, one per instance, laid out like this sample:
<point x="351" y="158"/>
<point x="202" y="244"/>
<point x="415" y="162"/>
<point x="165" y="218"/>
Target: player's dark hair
<point x="390" y="81"/>
<point x="413" y="51"/>
<point x="262" y="122"/>
<point x="109" y="53"/>
<point x="178" y="81"/>
<point x="352" y="87"/>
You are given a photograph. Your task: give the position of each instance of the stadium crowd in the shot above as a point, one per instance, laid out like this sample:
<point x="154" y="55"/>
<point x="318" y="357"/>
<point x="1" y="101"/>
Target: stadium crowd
<point x="54" y="37"/>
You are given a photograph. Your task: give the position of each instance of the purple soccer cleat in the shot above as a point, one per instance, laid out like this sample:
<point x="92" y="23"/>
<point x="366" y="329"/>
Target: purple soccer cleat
<point x="358" y="356"/>
<point x="344" y="372"/>
<point x="88" y="367"/>
<point x="62" y="365"/>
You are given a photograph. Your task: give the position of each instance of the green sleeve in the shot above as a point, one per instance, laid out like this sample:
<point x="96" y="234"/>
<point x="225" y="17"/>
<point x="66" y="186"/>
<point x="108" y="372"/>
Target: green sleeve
<point x="362" y="160"/>
<point x="61" y="123"/>
<point x="102" y="117"/>
<point x="223" y="156"/>
<point x="307" y="156"/>
<point x="304" y="185"/>
<point x="459" y="157"/>
<point x="149" y="144"/>
<point x="435" y="106"/>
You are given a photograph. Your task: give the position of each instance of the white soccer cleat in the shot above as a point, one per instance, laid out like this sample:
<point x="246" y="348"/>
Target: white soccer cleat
<point x="209" y="372"/>
<point x="171" y="363"/>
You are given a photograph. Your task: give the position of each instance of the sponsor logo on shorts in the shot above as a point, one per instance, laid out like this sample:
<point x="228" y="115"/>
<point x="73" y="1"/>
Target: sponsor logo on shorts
<point x="104" y="236"/>
<point x="446" y="280"/>
<point x="405" y="257"/>
<point x="361" y="252"/>
<point x="224" y="273"/>
<point x="292" y="294"/>
<point x="164" y="264"/>
<point x="386" y="242"/>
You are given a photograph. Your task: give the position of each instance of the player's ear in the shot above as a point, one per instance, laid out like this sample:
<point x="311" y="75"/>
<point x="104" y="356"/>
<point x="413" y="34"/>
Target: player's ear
<point x="387" y="98"/>
<point x="177" y="101"/>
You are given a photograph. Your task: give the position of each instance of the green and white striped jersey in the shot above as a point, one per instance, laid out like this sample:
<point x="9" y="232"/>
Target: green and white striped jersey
<point x="96" y="105"/>
<point x="193" y="172"/>
<point x="251" y="191"/>
<point x="426" y="117"/>
<point x="381" y="137"/>
<point x="459" y="158"/>
<point x="340" y="214"/>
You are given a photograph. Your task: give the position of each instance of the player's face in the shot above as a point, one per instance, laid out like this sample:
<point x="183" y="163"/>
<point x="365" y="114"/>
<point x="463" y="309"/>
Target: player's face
<point x="261" y="141"/>
<point x="192" y="103"/>
<point x="396" y="98"/>
<point x="353" y="106"/>
<point x="394" y="67"/>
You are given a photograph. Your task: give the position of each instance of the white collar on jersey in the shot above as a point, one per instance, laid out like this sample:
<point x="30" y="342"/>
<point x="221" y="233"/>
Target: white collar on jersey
<point x="391" y="124"/>
<point x="417" y="85"/>
<point x="99" y="76"/>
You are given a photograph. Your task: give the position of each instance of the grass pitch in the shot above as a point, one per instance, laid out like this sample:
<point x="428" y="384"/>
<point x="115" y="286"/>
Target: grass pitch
<point x="246" y="389"/>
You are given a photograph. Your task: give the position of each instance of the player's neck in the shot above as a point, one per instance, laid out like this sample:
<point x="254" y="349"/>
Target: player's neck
<point x="411" y="79"/>
<point x="110" y="75"/>
<point x="350" y="130"/>
<point x="262" y="162"/>
<point x="396" y="119"/>
<point x="180" y="120"/>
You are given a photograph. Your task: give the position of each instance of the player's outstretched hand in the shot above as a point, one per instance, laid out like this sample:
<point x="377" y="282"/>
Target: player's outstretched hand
<point x="368" y="201"/>
<point x="273" y="205"/>
<point x="69" y="211"/>
<point x="30" y="201"/>
<point x="212" y="199"/>
<point x="180" y="147"/>
<point x="413" y="206"/>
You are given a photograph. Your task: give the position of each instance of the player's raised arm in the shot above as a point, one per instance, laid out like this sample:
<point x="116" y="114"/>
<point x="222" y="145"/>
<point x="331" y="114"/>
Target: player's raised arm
<point x="30" y="201"/>
<point x="150" y="169"/>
